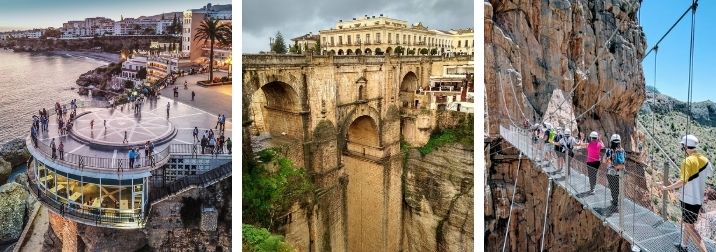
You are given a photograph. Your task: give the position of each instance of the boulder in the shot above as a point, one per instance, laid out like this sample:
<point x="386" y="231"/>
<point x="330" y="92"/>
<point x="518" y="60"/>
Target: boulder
<point x="13" y="199"/>
<point x="5" y="170"/>
<point x="15" y="152"/>
<point x="22" y="180"/>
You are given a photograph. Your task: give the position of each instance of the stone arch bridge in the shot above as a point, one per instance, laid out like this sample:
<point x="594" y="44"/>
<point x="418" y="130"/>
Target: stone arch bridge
<point x="339" y="117"/>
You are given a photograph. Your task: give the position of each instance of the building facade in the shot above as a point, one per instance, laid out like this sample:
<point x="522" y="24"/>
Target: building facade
<point x="198" y="50"/>
<point x="371" y="35"/>
<point x="306" y="42"/>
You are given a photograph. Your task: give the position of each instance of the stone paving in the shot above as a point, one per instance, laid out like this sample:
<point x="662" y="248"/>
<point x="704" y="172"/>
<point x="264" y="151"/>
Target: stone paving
<point x="150" y="125"/>
<point x="215" y="99"/>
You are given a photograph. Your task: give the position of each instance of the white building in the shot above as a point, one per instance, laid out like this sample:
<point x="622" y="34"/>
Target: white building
<point x="453" y="90"/>
<point x="197" y="50"/>
<point x="164" y="63"/>
<point x="130" y="69"/>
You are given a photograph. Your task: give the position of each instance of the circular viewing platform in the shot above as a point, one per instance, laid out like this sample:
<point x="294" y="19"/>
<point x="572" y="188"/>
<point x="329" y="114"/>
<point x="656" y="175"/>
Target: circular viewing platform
<point x="93" y="180"/>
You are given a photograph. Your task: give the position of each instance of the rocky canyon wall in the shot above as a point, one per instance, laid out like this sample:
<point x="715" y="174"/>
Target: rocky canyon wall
<point x="438" y="200"/>
<point x="569" y="226"/>
<point x="537" y="52"/>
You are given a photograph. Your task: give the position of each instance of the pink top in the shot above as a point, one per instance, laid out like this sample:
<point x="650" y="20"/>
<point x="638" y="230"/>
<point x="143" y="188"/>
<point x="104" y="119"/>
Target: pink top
<point x="593" y="150"/>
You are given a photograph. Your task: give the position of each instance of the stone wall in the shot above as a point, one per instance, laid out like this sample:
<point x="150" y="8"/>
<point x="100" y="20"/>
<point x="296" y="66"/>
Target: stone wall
<point x="438" y="200"/>
<point x="569" y="226"/>
<point x="534" y="49"/>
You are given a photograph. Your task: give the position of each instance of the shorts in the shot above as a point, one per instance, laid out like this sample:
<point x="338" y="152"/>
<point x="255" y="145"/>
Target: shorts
<point x="690" y="213"/>
<point x="548" y="147"/>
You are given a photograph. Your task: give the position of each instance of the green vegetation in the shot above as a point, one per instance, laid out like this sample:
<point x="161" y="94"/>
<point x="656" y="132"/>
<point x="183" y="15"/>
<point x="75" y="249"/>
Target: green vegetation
<point x="214" y="31"/>
<point x="462" y="134"/>
<point x="278" y="45"/>
<point x="271" y="185"/>
<point x="255" y="239"/>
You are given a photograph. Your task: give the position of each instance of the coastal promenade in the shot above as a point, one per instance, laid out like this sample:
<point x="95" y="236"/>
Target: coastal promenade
<point x="215" y="100"/>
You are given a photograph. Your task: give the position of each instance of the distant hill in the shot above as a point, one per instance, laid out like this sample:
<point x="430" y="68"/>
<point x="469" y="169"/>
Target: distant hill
<point x="703" y="112"/>
<point x="665" y="120"/>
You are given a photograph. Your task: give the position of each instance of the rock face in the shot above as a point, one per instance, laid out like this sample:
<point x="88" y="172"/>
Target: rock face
<point x="15" y="152"/>
<point x="438" y="200"/>
<point x="66" y="235"/>
<point x="534" y="48"/>
<point x="5" y="170"/>
<point x="703" y="112"/>
<point x="12" y="211"/>
<point x="570" y="227"/>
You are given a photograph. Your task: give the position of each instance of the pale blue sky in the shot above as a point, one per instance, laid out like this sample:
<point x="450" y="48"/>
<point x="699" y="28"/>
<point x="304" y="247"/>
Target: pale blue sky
<point x="673" y="59"/>
<point x="25" y="14"/>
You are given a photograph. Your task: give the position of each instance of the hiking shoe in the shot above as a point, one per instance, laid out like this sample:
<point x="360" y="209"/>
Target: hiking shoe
<point x="680" y="248"/>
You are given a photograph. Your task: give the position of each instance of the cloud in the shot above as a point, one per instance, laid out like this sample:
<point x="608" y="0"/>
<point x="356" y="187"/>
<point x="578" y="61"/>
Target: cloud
<point x="263" y="18"/>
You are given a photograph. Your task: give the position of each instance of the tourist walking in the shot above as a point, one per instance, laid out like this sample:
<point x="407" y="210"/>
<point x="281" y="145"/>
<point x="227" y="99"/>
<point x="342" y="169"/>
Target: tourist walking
<point x="168" y="106"/>
<point x="92" y="124"/>
<point x="61" y="148"/>
<point x="212" y="145"/>
<point x="125" y="141"/>
<point x="204" y="143"/>
<point x="615" y="159"/>
<point x="195" y="134"/>
<point x="218" y="122"/>
<point x="694" y="171"/>
<point x="54" y="149"/>
<point x="594" y="149"/>
<point x="192" y="95"/>
<point x="228" y="145"/>
<point x="565" y="147"/>
<point x="131" y="156"/>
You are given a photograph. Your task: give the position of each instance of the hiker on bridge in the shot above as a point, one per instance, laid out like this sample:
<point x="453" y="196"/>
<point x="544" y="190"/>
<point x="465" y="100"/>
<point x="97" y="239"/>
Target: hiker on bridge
<point x="594" y="147"/>
<point x="695" y="170"/>
<point x="537" y="132"/>
<point x="565" y="146"/>
<point x="548" y="137"/>
<point x="615" y="159"/>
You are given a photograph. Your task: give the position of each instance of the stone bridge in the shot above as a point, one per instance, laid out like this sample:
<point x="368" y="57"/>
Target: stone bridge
<point x="339" y="117"/>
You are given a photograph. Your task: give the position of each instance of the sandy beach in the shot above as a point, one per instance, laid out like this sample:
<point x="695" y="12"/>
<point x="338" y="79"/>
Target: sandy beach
<point x="101" y="56"/>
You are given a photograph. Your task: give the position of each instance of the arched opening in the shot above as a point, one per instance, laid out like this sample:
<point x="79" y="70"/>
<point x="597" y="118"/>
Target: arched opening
<point x="358" y="52"/>
<point x="388" y="50"/>
<point x="275" y="111"/>
<point x="340" y="52"/>
<point x="349" y="52"/>
<point x="378" y="51"/>
<point x="332" y="52"/>
<point x="362" y="136"/>
<point x="360" y="93"/>
<point x="407" y="89"/>
<point x="368" y="51"/>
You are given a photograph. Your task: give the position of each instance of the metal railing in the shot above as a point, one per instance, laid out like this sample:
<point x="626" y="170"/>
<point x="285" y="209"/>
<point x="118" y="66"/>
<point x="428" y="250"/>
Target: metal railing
<point x="631" y="201"/>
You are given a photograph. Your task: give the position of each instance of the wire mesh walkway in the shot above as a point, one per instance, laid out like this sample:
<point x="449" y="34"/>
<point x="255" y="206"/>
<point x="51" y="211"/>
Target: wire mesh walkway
<point x="642" y="218"/>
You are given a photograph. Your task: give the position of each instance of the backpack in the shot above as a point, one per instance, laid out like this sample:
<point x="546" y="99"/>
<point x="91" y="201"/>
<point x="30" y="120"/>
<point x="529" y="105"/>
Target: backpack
<point x="546" y="135"/>
<point x="619" y="157"/>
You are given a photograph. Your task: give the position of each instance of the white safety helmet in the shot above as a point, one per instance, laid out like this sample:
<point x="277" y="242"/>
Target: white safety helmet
<point x="689" y="141"/>
<point x="615" y="138"/>
<point x="594" y="134"/>
<point x="567" y="132"/>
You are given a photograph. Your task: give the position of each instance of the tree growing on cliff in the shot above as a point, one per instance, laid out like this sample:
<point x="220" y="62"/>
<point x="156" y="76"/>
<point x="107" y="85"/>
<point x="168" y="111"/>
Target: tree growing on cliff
<point x="214" y="31"/>
<point x="278" y="45"/>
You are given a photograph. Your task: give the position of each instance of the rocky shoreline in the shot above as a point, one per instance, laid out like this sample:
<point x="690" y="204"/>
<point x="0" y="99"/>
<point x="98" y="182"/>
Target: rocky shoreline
<point x="15" y="200"/>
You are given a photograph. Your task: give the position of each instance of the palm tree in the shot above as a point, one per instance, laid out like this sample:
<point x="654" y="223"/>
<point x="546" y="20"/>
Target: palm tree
<point x="214" y="31"/>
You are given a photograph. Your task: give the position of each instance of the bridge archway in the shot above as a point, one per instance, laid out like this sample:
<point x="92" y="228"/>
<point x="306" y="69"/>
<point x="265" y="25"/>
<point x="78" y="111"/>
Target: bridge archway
<point x="408" y="86"/>
<point x="365" y="187"/>
<point x="368" y="51"/>
<point x="340" y="52"/>
<point x="358" y="52"/>
<point x="332" y="52"/>
<point x="388" y="50"/>
<point x="275" y="108"/>
<point x="378" y="51"/>
<point x="349" y="52"/>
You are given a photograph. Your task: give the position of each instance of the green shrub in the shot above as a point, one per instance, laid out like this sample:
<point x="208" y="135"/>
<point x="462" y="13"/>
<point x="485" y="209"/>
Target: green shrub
<point x="255" y="239"/>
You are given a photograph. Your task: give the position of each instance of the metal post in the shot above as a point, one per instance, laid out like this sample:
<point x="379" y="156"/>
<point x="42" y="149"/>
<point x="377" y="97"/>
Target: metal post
<point x="621" y="199"/>
<point x="546" y="208"/>
<point x="665" y="194"/>
<point x="569" y="176"/>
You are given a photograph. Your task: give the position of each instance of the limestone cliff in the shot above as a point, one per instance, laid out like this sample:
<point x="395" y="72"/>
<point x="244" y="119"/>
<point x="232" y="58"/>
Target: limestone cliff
<point x="438" y="200"/>
<point x="569" y="228"/>
<point x="537" y="52"/>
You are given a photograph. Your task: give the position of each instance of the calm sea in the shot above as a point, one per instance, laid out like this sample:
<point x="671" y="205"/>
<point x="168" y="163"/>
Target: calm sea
<point x="30" y="81"/>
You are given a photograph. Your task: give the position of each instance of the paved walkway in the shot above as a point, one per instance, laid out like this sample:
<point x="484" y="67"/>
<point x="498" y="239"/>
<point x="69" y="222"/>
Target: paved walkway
<point x="183" y="117"/>
<point x="40" y="226"/>
<point x="215" y="100"/>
